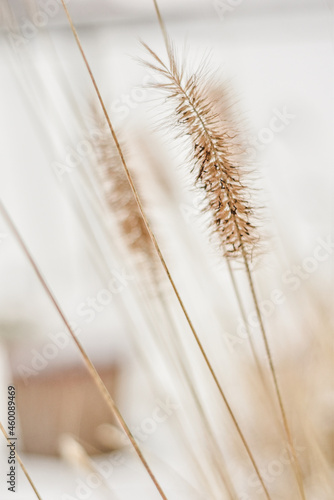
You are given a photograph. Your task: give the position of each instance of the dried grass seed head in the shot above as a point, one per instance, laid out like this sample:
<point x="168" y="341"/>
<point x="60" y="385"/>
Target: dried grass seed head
<point x="217" y="154"/>
<point x="120" y="199"/>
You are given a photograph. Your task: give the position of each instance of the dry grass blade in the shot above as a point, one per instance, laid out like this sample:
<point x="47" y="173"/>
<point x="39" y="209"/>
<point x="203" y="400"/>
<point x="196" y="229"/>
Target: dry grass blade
<point x="160" y="255"/>
<point x="21" y="464"/>
<point x="123" y="207"/>
<point x="156" y="245"/>
<point x="214" y="157"/>
<point x="89" y="365"/>
<point x="175" y="90"/>
<point x="295" y="460"/>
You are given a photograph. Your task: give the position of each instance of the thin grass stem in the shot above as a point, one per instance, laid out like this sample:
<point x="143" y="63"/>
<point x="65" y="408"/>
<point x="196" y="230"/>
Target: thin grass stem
<point x="88" y="363"/>
<point x="292" y="449"/>
<point x="160" y="255"/>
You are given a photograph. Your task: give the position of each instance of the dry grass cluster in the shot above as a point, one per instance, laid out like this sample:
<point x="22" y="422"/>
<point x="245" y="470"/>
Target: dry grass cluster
<point x="280" y="436"/>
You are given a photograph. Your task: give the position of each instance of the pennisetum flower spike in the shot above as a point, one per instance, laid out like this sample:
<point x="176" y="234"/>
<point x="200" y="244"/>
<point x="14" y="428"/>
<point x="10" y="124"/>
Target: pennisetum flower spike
<point x="160" y="255"/>
<point x="123" y="207"/>
<point x="212" y="156"/>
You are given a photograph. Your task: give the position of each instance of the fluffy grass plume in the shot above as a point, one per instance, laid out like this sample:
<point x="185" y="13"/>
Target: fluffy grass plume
<point x="120" y="200"/>
<point x="216" y="155"/>
<point x="214" y="158"/>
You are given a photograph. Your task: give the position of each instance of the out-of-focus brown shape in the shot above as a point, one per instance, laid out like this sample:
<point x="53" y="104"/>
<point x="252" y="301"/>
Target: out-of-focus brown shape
<point x="63" y="401"/>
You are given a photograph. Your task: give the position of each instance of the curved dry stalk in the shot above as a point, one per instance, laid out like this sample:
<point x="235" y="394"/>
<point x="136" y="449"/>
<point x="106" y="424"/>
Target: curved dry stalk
<point x="174" y="91"/>
<point x="218" y="460"/>
<point x="255" y="356"/>
<point x="124" y="208"/>
<point x="161" y="257"/>
<point x="221" y="177"/>
<point x="295" y="460"/>
<point x="244" y="319"/>
<point x="165" y="182"/>
<point x="194" y="456"/>
<point x="109" y="435"/>
<point x="88" y="363"/>
<point x="26" y="473"/>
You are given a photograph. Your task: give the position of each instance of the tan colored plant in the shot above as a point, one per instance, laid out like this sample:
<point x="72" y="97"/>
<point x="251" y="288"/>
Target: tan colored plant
<point x="219" y="173"/>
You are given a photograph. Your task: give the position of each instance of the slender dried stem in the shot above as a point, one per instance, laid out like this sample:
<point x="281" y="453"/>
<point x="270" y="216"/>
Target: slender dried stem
<point x="174" y="88"/>
<point x="292" y="449"/>
<point x="244" y="319"/>
<point x="160" y="255"/>
<point x="89" y="365"/>
<point x="228" y="206"/>
<point x="218" y="461"/>
<point x="123" y="207"/>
